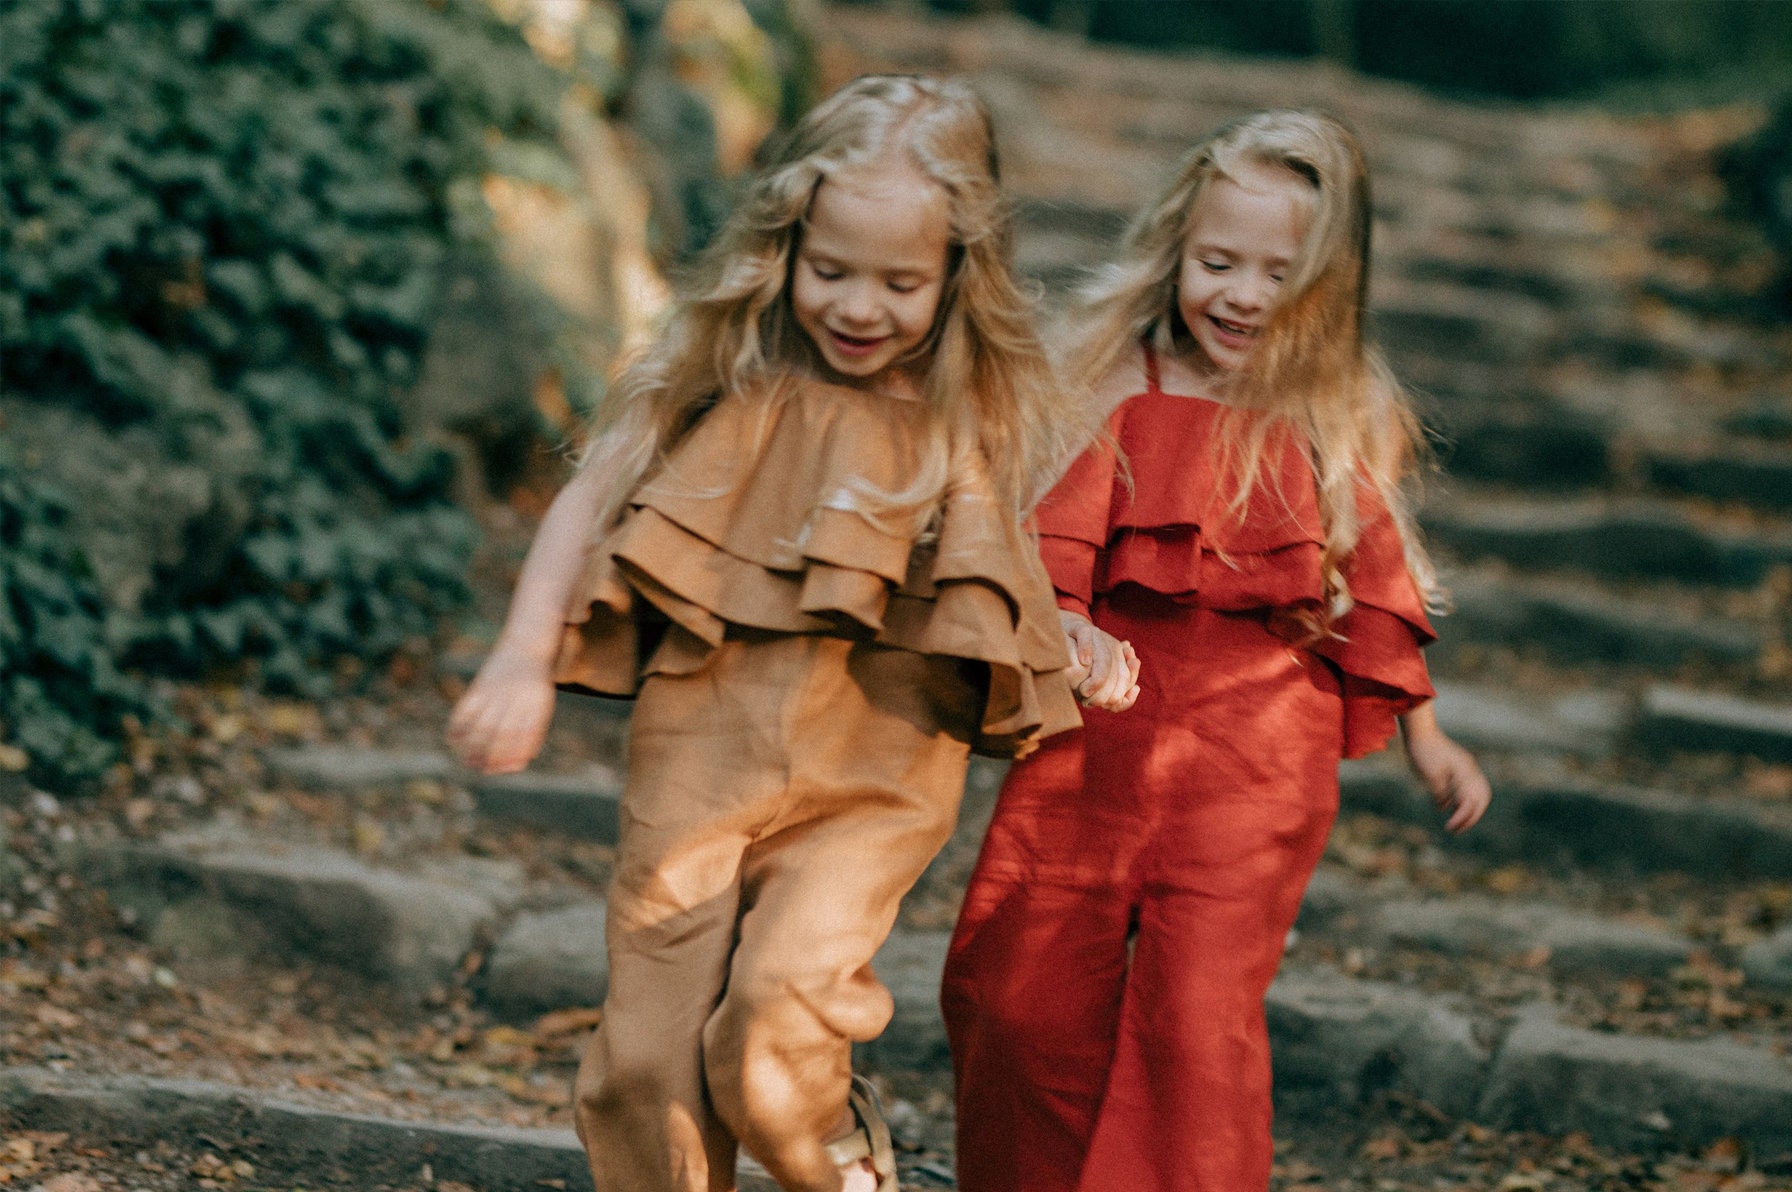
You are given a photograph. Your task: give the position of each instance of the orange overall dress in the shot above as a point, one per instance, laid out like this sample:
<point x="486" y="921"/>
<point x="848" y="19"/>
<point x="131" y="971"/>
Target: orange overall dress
<point x="811" y="671"/>
<point x="1104" y="991"/>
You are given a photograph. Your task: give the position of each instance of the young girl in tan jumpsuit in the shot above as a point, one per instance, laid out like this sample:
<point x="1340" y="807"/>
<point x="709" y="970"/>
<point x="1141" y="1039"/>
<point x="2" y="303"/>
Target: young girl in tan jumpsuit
<point x="795" y="540"/>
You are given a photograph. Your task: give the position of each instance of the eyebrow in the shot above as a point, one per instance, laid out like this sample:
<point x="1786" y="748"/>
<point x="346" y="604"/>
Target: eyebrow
<point x="917" y="271"/>
<point x="1221" y="250"/>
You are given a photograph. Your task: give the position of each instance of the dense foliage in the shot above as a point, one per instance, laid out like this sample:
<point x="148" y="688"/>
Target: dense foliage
<point x="64" y="698"/>
<point x="222" y="226"/>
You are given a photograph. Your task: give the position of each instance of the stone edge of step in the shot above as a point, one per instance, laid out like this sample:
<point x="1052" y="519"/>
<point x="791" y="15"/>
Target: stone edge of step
<point x="304" y="1143"/>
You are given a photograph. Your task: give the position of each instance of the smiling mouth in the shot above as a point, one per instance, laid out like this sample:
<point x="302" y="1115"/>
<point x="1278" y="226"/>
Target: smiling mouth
<point x="856" y="345"/>
<point x="1236" y="330"/>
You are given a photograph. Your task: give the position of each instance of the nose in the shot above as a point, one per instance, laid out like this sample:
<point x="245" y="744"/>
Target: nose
<point x="1251" y="291"/>
<point x="856" y="304"/>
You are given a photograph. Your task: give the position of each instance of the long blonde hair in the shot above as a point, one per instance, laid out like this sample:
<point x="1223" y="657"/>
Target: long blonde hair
<point x="988" y="384"/>
<point x="1311" y="369"/>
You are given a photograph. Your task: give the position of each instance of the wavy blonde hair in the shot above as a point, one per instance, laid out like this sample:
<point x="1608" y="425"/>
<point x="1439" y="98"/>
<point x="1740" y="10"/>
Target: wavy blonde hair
<point x="987" y="382"/>
<point x="1311" y="369"/>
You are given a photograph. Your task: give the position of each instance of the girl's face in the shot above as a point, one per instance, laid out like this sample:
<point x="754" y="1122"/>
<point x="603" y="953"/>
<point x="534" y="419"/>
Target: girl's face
<point x="1245" y="236"/>
<point x="869" y="270"/>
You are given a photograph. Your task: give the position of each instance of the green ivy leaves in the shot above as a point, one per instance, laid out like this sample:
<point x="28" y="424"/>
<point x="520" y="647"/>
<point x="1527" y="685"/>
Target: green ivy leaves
<point x="230" y="213"/>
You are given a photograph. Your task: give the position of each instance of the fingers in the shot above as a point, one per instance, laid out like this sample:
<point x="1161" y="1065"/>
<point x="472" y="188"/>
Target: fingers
<point x="1469" y="800"/>
<point x="1126" y="700"/>
<point x="1455" y="780"/>
<point x="1080" y="641"/>
<point x="498" y="728"/>
<point x="1112" y="684"/>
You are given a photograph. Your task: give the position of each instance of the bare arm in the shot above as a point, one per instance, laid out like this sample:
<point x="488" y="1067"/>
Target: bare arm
<point x="499" y="725"/>
<point x="1449" y="772"/>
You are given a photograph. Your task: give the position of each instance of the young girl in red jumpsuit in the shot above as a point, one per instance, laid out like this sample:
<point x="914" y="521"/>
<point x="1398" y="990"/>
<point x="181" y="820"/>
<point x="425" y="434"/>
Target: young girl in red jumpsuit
<point x="1243" y="582"/>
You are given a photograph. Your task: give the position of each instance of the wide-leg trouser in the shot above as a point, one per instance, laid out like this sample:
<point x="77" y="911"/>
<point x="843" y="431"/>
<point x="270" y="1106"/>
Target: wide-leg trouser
<point x="780" y="801"/>
<point x="1104" y="991"/>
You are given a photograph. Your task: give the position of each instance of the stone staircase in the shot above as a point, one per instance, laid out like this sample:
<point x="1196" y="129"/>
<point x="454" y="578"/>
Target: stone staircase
<point x="1610" y="953"/>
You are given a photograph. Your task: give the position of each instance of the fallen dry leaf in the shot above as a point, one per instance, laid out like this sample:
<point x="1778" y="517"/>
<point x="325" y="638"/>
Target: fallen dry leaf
<point x="562" y="1022"/>
<point x="70" y="1181"/>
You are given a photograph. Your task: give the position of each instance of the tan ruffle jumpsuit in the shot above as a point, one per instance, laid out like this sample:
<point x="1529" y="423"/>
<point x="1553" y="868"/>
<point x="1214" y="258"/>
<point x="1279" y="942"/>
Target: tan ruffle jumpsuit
<point x="810" y="679"/>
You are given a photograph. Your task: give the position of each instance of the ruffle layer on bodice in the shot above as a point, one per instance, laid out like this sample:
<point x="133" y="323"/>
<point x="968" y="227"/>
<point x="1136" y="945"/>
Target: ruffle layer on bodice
<point x="1173" y="530"/>
<point x="773" y="514"/>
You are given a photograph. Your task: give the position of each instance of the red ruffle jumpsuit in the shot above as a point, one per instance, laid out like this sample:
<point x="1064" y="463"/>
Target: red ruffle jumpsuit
<point x="1104" y="991"/>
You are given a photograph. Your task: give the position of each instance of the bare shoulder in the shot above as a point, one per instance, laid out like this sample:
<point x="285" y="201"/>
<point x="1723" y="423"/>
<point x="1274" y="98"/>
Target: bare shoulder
<point x="1126" y="379"/>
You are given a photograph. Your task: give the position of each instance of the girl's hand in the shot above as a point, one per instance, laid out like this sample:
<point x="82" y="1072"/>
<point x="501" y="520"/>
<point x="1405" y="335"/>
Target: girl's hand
<point x="1448" y="771"/>
<point x="499" y="725"/>
<point x="1104" y="671"/>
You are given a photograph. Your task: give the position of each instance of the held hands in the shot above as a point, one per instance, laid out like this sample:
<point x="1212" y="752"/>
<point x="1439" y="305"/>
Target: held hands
<point x="1448" y="771"/>
<point x="1104" y="671"/>
<point x="499" y="725"/>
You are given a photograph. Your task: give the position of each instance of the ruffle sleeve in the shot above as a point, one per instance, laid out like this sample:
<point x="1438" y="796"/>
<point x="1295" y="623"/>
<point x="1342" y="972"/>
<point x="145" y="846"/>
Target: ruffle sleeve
<point x="1072" y="523"/>
<point x="1168" y="525"/>
<point x="774" y="514"/>
<point x="1378" y="644"/>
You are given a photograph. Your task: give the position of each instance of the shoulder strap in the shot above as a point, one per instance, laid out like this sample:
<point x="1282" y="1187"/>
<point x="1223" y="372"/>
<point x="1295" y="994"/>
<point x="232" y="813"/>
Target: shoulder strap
<point x="1151" y="376"/>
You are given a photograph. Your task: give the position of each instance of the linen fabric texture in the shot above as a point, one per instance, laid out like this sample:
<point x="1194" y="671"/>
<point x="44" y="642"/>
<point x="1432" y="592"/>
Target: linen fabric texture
<point x="767" y="515"/>
<point x="812" y="669"/>
<point x="1104" y="989"/>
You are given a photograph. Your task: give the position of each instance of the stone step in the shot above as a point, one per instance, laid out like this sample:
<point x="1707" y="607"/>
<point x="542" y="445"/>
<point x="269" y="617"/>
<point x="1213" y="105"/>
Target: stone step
<point x="1535" y="445"/>
<point x="1754" y="474"/>
<point x="1341" y="1040"/>
<point x="353" y="767"/>
<point x="1462" y="324"/>
<point x="223" y="892"/>
<point x="1600" y="827"/>
<point x="1679" y="718"/>
<point x="1338" y="1040"/>
<point x="1578" y="622"/>
<point x="1581" y="724"/>
<point x="1768" y="962"/>
<point x="1609" y="538"/>
<point x="548" y="960"/>
<point x="1418" y="137"/>
<point x="1637" y="1093"/>
<point x="1424" y="311"/>
<point x="1335" y="1036"/>
<point x="583" y="805"/>
<point x="297" y="1145"/>
<point x="1342" y="910"/>
<point x="586" y="805"/>
<point x="1766" y="419"/>
<point x="1575" y="942"/>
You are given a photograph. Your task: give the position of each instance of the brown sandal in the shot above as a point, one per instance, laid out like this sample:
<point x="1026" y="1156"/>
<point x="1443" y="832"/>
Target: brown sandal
<point x="870" y="1139"/>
